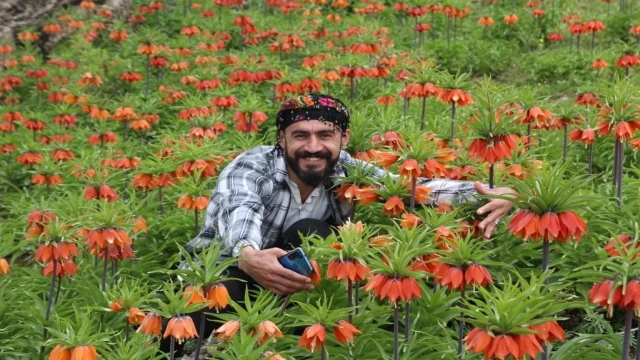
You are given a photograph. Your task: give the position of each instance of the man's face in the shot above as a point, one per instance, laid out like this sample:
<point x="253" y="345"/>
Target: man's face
<point x="311" y="149"/>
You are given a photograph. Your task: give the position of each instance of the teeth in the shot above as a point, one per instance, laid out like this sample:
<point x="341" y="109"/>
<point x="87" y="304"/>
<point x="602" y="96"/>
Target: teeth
<point x="313" y="159"/>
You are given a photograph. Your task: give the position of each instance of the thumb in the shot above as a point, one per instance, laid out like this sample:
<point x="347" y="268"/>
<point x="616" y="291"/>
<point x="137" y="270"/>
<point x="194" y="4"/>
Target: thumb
<point x="480" y="189"/>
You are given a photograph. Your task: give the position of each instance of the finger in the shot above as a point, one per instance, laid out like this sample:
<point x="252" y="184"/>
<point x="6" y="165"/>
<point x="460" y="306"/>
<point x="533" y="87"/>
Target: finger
<point x="490" y="229"/>
<point x="289" y="284"/>
<point x="480" y="189"/>
<point x="486" y="208"/>
<point x="490" y="219"/>
<point x="277" y="252"/>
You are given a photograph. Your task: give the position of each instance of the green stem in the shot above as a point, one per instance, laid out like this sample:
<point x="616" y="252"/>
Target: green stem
<point x="395" y="331"/>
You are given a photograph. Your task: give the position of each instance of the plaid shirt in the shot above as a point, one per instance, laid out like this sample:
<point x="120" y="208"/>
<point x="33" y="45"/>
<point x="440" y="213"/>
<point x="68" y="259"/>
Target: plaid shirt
<point x="251" y="200"/>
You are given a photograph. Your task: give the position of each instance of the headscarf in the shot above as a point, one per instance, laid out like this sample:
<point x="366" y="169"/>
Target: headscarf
<point x="313" y="107"/>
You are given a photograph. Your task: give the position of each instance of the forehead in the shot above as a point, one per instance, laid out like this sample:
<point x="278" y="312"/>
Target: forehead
<point x="312" y="126"/>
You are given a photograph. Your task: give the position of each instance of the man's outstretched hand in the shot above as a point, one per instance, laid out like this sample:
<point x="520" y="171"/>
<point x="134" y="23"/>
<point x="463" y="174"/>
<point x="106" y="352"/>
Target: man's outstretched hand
<point x="263" y="266"/>
<point x="496" y="209"/>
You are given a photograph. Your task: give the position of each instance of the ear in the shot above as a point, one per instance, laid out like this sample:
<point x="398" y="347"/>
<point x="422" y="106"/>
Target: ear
<point x="346" y="135"/>
<point x="281" y="138"/>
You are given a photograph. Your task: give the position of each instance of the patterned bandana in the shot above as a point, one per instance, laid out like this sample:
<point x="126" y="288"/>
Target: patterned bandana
<point x="313" y="107"/>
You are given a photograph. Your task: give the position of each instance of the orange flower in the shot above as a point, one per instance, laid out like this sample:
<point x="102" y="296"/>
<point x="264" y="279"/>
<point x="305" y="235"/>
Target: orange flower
<point x="367" y="195"/>
<point x="151" y="325"/>
<point x="510" y="19"/>
<point x="345" y="332"/>
<point x="84" y="352"/>
<point x="228" y="330"/>
<point x="135" y="316"/>
<point x="115" y="306"/>
<point x="181" y="328"/>
<point x="624" y="130"/>
<point x="347" y="192"/>
<point x="395" y="289"/>
<point x="456" y="96"/>
<point x="410" y="169"/>
<point x="495" y="149"/>
<point x="268" y="331"/>
<point x="548" y="331"/>
<point x="195" y="295"/>
<point x="478" y="340"/>
<point x="605" y="296"/>
<point x="315" y="276"/>
<point x="619" y="242"/>
<point x="477" y="275"/>
<point x="350" y="269"/>
<point x="393" y="206"/>
<point x="60" y="353"/>
<point x="453" y="278"/>
<point x="218" y="297"/>
<point x="485" y="21"/>
<point x="4" y="266"/>
<point x="409" y="221"/>
<point x="313" y="337"/>
<point x="549" y="226"/>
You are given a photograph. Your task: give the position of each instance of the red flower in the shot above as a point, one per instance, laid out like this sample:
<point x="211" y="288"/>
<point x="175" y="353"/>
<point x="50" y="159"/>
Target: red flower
<point x="549" y="226"/>
<point x="313" y="337"/>
<point x="393" y="206"/>
<point x="548" y="331"/>
<point x="345" y="332"/>
<point x="351" y="269"/>
<point x="605" y="296"/>
<point x="394" y="288"/>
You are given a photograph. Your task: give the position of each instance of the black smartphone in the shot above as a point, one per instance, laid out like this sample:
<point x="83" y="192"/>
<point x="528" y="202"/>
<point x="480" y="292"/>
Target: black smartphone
<point x="296" y="260"/>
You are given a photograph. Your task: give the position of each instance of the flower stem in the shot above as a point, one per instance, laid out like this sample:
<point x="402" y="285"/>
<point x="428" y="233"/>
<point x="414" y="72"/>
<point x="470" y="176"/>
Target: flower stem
<point x="323" y="353"/>
<point x="460" y="325"/>
<point x="146" y="78"/>
<point x="172" y="347"/>
<point x="126" y="332"/>
<point x="355" y="297"/>
<point x="407" y="321"/>
<point x="350" y="299"/>
<point x="424" y="108"/>
<point x="395" y="331"/>
<point x="590" y="159"/>
<point x="104" y="270"/>
<point x="545" y="255"/>
<point x="491" y="176"/>
<point x="529" y="138"/>
<point x="619" y="156"/>
<point x="51" y="288"/>
<point x="412" y="203"/>
<point x="160" y="200"/>
<point x="453" y="119"/>
<point x="200" y="335"/>
<point x="638" y="341"/>
<point x="564" y="144"/>
<point x="195" y="212"/>
<point x="627" y="333"/>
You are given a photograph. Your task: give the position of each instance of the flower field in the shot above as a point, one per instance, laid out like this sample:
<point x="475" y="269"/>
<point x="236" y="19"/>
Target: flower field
<point x="111" y="145"/>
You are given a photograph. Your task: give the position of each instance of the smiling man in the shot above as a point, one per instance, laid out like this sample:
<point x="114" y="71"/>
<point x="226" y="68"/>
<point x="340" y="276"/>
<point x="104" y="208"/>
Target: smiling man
<point x="266" y="195"/>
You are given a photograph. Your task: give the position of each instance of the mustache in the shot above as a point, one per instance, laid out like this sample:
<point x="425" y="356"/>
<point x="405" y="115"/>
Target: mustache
<point x="319" y="154"/>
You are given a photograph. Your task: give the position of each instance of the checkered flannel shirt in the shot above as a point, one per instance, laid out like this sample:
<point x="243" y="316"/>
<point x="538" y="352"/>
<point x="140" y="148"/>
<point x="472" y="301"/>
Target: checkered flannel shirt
<point x="251" y="200"/>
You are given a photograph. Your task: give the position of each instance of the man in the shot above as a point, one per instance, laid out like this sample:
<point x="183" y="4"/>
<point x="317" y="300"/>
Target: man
<point x="269" y="193"/>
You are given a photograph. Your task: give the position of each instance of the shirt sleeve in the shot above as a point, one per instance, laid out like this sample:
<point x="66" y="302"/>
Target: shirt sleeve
<point x="445" y="191"/>
<point x="235" y="210"/>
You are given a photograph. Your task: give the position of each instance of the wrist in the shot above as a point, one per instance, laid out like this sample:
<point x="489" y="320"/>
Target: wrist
<point x="245" y="252"/>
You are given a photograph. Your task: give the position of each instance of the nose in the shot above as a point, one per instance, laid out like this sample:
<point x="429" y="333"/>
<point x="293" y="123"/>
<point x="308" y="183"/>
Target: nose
<point x="313" y="144"/>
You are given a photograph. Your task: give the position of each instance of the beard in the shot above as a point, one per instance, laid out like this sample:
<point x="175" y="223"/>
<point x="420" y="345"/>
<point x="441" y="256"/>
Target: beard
<point x="311" y="178"/>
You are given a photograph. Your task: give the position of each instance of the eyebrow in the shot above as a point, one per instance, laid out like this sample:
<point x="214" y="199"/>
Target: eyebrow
<point x="319" y="132"/>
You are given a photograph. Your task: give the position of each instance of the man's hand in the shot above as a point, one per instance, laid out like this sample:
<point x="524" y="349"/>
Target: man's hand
<point x="496" y="209"/>
<point x="264" y="268"/>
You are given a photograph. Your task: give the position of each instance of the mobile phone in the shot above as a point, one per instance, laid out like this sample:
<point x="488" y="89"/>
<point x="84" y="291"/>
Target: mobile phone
<point x="296" y="260"/>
